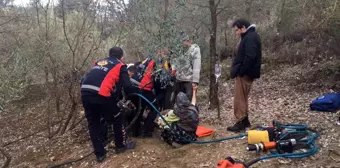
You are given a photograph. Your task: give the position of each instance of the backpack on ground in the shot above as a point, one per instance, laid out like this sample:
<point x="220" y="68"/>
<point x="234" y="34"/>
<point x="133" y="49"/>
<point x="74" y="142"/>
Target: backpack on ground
<point x="329" y="102"/>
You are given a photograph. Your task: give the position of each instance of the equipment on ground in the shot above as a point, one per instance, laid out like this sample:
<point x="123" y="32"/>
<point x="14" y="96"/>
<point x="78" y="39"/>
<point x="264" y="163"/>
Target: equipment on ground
<point x="292" y="141"/>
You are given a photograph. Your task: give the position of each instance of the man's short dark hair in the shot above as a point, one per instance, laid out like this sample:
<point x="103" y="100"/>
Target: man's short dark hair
<point x="240" y="23"/>
<point x="132" y="69"/>
<point x="137" y="63"/>
<point x="116" y="52"/>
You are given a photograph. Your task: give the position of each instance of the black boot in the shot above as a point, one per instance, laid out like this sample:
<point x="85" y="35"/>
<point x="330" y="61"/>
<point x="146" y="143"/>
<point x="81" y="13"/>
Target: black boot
<point x="128" y="145"/>
<point x="100" y="158"/>
<point x="246" y="122"/>
<point x="238" y="127"/>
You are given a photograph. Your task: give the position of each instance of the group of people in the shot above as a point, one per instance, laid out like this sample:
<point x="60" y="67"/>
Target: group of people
<point x="172" y="89"/>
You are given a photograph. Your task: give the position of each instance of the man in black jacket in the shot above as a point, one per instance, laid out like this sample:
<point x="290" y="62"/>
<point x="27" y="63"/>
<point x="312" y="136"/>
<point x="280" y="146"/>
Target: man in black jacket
<point x="246" y="68"/>
<point x="100" y="91"/>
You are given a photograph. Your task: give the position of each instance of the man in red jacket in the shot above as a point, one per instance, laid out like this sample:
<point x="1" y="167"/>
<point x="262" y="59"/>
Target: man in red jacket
<point x="143" y="78"/>
<point x="100" y="91"/>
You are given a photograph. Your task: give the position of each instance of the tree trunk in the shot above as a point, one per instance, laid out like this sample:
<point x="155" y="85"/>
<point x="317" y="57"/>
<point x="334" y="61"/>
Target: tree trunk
<point x="248" y="8"/>
<point x="279" y="26"/>
<point x="225" y="38"/>
<point x="166" y="9"/>
<point x="48" y="105"/>
<point x="213" y="97"/>
<point x="74" y="104"/>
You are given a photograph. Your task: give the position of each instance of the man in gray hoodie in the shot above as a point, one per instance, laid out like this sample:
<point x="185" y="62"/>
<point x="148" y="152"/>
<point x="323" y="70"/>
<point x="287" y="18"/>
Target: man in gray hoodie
<point x="188" y="67"/>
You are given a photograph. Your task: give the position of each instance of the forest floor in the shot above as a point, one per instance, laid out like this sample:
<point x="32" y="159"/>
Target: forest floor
<point x="282" y="94"/>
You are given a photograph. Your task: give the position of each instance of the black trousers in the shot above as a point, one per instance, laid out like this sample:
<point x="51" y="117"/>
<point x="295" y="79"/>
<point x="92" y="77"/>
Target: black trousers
<point x="97" y="107"/>
<point x="148" y="122"/>
<point x="163" y="98"/>
<point x="185" y="87"/>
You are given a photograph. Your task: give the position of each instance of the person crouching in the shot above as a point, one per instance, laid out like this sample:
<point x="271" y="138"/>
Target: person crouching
<point x="183" y="121"/>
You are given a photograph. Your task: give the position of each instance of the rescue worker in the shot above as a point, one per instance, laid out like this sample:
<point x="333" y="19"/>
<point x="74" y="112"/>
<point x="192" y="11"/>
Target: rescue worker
<point x="143" y="78"/>
<point x="100" y="91"/>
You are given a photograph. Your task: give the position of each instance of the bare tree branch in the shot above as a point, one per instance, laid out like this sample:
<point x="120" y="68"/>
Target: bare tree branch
<point x="8" y="21"/>
<point x="119" y="35"/>
<point x="77" y="123"/>
<point x="218" y="3"/>
<point x="29" y="135"/>
<point x="8" y="158"/>
<point x="221" y="9"/>
<point x="331" y="15"/>
<point x="64" y="26"/>
<point x="199" y="5"/>
<point x="82" y="27"/>
<point x="94" y="46"/>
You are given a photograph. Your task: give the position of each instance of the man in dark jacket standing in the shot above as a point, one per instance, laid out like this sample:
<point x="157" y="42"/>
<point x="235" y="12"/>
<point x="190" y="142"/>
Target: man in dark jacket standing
<point x="100" y="92"/>
<point x="246" y="68"/>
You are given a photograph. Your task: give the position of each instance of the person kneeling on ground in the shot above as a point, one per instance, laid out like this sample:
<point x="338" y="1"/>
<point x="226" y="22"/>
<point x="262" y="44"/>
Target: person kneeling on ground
<point x="183" y="120"/>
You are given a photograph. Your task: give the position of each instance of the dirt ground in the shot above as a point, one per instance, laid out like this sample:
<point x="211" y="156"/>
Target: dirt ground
<point x="276" y="96"/>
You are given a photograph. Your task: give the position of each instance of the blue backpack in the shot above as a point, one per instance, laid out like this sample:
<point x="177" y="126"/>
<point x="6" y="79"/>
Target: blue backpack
<point x="329" y="102"/>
